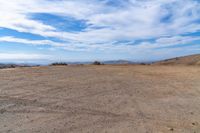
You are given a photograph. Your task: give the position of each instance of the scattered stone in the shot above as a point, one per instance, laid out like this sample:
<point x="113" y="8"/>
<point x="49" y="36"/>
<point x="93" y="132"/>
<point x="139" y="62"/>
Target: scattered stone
<point x="171" y="129"/>
<point x="2" y="111"/>
<point x="9" y="131"/>
<point x="35" y="100"/>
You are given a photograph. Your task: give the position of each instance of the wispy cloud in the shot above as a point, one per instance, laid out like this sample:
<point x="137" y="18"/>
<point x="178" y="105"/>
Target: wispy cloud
<point x="22" y="56"/>
<point x="30" y="42"/>
<point x="168" y="22"/>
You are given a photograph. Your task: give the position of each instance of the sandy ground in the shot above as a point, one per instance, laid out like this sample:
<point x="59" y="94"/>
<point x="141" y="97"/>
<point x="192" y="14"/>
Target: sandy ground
<point x="100" y="99"/>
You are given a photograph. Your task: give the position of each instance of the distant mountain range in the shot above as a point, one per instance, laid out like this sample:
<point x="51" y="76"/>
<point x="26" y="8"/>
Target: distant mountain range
<point x="10" y="65"/>
<point x="185" y="60"/>
<point x="118" y="62"/>
<point x="7" y="66"/>
<point x="104" y="62"/>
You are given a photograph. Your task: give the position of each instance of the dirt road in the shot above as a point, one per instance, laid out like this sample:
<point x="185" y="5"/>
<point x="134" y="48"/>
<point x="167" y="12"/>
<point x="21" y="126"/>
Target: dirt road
<point x="100" y="99"/>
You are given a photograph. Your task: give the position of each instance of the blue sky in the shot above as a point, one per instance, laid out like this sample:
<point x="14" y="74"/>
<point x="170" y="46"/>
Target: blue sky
<point x="87" y="30"/>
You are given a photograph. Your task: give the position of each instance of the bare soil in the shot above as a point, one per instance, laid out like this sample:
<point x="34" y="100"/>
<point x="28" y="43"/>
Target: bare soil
<point x="100" y="99"/>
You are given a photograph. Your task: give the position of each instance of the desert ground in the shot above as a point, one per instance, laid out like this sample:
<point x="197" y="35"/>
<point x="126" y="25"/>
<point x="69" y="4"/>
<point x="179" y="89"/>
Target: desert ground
<point x="100" y="99"/>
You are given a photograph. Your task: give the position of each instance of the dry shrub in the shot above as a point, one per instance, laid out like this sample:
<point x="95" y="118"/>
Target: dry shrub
<point x="59" y="64"/>
<point x="97" y="63"/>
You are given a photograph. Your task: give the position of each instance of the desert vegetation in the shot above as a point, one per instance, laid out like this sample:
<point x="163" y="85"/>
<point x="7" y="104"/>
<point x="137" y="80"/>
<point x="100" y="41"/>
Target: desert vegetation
<point x="97" y="63"/>
<point x="59" y="64"/>
<point x="3" y="66"/>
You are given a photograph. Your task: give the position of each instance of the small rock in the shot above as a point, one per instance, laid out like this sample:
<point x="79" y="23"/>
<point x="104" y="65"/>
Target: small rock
<point x="2" y="111"/>
<point x="171" y="129"/>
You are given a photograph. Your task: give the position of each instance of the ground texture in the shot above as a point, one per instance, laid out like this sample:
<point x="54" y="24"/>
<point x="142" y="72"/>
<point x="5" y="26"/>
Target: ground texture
<point x="100" y="99"/>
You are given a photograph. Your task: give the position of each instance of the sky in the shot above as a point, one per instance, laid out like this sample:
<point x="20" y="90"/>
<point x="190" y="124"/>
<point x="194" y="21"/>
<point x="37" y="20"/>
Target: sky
<point x="87" y="30"/>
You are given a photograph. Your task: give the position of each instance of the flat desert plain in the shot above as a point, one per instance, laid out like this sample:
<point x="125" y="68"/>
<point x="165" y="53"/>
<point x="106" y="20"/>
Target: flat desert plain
<point x="100" y="99"/>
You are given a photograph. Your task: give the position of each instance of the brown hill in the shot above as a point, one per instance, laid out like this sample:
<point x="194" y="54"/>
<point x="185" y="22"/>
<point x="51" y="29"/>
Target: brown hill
<point x="185" y="60"/>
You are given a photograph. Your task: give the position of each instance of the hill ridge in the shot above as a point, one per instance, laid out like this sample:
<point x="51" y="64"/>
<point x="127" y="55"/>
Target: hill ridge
<point x="183" y="60"/>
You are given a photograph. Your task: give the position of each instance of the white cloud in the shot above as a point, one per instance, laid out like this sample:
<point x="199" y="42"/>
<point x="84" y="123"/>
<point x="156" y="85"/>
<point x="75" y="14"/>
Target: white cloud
<point x="168" y="41"/>
<point x="112" y="46"/>
<point x="22" y="56"/>
<point x="31" y="42"/>
<point x="165" y="42"/>
<point x="134" y="20"/>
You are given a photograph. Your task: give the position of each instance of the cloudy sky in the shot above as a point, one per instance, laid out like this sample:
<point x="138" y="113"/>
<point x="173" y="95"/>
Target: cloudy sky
<point x="86" y="30"/>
